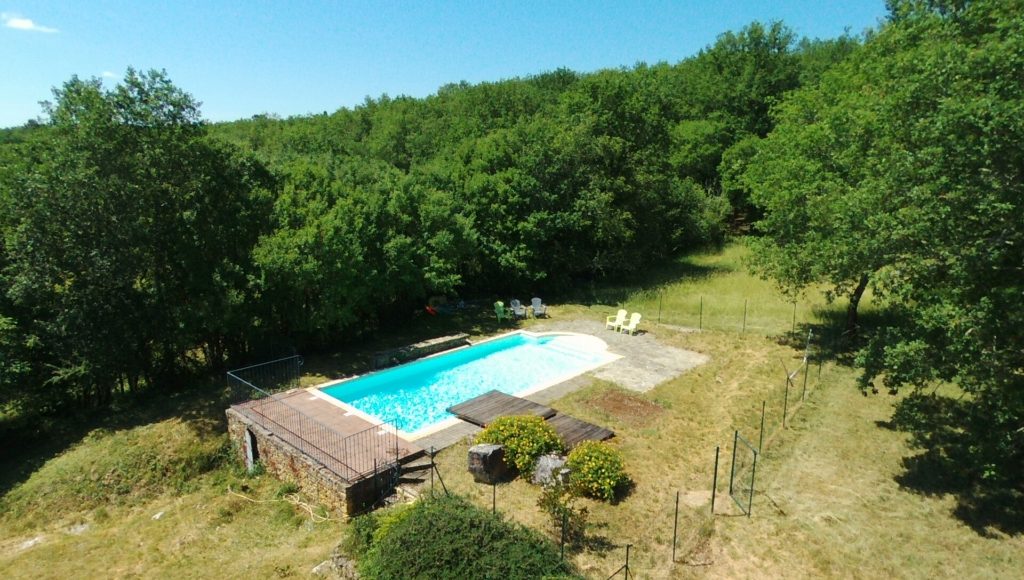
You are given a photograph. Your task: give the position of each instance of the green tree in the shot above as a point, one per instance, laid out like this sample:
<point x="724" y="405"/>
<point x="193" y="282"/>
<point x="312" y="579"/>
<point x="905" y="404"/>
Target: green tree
<point x="904" y="166"/>
<point x="128" y="237"/>
<point x="823" y="218"/>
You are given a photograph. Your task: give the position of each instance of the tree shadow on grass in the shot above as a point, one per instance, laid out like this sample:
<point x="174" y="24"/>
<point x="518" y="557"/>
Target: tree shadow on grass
<point x="595" y="541"/>
<point x="27" y="442"/>
<point x="618" y="289"/>
<point x="958" y="459"/>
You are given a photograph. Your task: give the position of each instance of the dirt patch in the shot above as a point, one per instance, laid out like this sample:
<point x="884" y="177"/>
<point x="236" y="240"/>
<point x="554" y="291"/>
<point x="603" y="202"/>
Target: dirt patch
<point x="627" y="407"/>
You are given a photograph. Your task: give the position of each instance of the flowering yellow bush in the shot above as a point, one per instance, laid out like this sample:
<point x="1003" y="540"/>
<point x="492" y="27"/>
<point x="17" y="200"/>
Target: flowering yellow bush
<point x="525" y="439"/>
<point x="597" y="470"/>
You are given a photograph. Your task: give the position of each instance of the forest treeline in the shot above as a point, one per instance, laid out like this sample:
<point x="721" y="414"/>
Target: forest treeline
<point x="139" y="242"/>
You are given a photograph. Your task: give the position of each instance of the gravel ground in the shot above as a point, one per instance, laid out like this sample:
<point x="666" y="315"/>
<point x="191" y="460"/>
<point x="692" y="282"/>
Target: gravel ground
<point x="645" y="362"/>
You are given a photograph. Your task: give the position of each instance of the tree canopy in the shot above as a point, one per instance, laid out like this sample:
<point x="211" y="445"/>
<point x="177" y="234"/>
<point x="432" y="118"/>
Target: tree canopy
<point x="139" y="242"/>
<point x="126" y="241"/>
<point x="903" y="166"/>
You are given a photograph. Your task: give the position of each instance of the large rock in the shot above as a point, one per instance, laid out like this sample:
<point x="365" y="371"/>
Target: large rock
<point x="487" y="463"/>
<point x="550" y="469"/>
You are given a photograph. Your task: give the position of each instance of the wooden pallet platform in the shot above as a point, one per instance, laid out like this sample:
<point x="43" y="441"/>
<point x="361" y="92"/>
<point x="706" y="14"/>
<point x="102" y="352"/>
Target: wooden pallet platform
<point x="484" y="409"/>
<point x="573" y="430"/>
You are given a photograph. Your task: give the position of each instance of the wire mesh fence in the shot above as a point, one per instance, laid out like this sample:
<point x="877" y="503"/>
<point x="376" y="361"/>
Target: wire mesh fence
<point x="743" y="473"/>
<point x="676" y="534"/>
<point x="768" y="420"/>
<point x="761" y="315"/>
<point x="256" y="390"/>
<point x="259" y="380"/>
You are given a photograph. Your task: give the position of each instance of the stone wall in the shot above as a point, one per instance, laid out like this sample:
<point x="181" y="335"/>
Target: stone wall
<point x="396" y="356"/>
<point x="284" y="461"/>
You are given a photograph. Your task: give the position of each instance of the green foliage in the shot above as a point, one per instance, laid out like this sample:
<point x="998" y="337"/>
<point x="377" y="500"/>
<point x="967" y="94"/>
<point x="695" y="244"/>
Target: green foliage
<point x="448" y="537"/>
<point x="525" y="438"/>
<point x="139" y="244"/>
<point x="389" y="519"/>
<point x="360" y="534"/>
<point x="559" y="503"/>
<point x="287" y="488"/>
<point x="903" y="166"/>
<point x="126" y="241"/>
<point x="735" y="161"/>
<point x="597" y="470"/>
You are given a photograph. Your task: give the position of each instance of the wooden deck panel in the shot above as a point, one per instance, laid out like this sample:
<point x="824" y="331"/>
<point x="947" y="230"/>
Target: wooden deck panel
<point x="322" y="444"/>
<point x="573" y="430"/>
<point x="484" y="409"/>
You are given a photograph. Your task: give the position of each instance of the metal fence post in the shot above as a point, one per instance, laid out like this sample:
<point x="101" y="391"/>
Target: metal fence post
<point x="675" y="529"/>
<point x="732" y="471"/>
<point x="714" y="482"/>
<point x="803" y="394"/>
<point x="794" y="316"/>
<point x="661" y="298"/>
<point x="753" y="473"/>
<point x="760" y="440"/>
<point x="785" y="401"/>
<point x="807" y="364"/>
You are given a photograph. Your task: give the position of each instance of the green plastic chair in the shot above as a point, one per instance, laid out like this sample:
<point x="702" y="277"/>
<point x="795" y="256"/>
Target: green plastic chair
<point x="499" y="309"/>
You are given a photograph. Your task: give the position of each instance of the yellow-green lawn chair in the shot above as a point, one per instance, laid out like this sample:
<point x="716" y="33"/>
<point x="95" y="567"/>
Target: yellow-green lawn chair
<point x="630" y="327"/>
<point x="616" y="322"/>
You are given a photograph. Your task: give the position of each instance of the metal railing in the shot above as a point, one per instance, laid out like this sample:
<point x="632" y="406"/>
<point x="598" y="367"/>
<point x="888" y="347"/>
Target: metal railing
<point x="353" y="457"/>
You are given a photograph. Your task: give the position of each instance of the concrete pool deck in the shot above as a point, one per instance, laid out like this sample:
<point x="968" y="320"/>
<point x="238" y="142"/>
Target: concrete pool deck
<point x="645" y="363"/>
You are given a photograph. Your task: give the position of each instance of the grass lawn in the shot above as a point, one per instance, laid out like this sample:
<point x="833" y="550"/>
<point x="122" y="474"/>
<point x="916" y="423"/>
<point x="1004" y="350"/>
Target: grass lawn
<point x="827" y="504"/>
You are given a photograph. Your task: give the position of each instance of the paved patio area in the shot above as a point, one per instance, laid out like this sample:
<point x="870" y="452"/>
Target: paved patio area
<point x="645" y="363"/>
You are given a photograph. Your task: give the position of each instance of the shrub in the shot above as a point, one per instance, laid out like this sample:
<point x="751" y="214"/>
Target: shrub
<point x="360" y="534"/>
<point x="559" y="503"/>
<point x="525" y="439"/>
<point x="389" y="519"/>
<point x="597" y="470"/>
<point x="448" y="537"/>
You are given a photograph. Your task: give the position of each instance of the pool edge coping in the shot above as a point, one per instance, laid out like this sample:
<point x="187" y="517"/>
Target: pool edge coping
<point x="412" y="437"/>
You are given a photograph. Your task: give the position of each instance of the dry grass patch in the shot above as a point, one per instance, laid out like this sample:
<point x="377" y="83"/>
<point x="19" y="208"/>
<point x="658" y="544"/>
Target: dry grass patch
<point x="667" y="437"/>
<point x="827" y="503"/>
<point x="613" y="404"/>
<point x="154" y="501"/>
<point x="204" y="534"/>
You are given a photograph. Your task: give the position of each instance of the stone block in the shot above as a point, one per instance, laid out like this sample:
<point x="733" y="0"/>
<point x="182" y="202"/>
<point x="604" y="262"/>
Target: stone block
<point x="487" y="463"/>
<point x="550" y="469"/>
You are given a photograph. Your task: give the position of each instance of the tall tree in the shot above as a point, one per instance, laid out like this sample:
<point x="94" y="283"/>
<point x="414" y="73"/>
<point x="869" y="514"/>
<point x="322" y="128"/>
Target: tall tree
<point x="904" y="166"/>
<point x="129" y="236"/>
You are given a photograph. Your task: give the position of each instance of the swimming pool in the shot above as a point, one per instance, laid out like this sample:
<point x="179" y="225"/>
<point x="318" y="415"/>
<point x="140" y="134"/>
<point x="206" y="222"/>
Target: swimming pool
<point x="414" y="396"/>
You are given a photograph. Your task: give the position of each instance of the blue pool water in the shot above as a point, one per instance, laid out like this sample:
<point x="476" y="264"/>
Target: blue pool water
<point x="415" y="395"/>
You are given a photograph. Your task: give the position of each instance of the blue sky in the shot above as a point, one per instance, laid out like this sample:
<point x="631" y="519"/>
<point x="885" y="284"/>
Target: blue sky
<point x="296" y="57"/>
